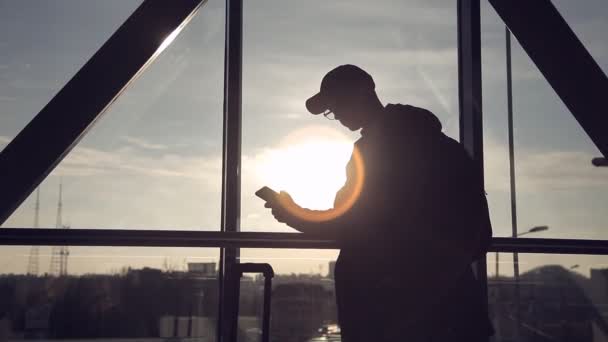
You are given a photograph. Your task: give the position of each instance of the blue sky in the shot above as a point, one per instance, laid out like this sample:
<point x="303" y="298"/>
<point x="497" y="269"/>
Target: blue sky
<point x="154" y="160"/>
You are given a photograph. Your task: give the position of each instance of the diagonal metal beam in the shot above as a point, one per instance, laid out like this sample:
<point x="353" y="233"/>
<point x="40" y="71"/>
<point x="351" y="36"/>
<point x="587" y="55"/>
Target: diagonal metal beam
<point x="58" y="127"/>
<point x="563" y="61"/>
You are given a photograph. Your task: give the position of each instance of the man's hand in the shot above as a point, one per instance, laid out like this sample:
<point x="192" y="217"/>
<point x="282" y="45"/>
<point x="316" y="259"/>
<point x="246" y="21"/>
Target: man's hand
<point x="279" y="209"/>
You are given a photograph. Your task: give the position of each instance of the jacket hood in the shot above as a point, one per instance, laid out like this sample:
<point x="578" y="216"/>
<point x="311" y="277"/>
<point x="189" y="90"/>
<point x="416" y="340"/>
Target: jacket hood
<point x="412" y="119"/>
<point x="404" y="121"/>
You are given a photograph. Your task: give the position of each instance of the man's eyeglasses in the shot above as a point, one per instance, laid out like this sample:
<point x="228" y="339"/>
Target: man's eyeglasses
<point x="329" y="115"/>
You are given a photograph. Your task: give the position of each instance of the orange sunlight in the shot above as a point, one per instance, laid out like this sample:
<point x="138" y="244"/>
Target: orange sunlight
<point x="310" y="164"/>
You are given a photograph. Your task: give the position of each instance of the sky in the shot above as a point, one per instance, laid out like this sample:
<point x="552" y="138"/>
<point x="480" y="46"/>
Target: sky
<point x="154" y="159"/>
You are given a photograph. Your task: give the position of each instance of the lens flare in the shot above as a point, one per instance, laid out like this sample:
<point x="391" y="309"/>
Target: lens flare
<point x="309" y="163"/>
<point x="348" y="196"/>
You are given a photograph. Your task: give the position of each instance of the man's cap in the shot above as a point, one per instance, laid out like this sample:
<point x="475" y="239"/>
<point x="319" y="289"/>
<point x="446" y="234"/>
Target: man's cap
<point x="338" y="84"/>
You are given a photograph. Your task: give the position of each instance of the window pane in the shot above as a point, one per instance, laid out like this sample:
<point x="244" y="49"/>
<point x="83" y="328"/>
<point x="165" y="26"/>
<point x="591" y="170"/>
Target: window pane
<point x="42" y="45"/>
<point x="303" y="297"/>
<point x="409" y="48"/>
<point x="154" y="160"/>
<point x="496" y="157"/>
<point x="561" y="297"/>
<point x="556" y="184"/>
<point x="109" y="293"/>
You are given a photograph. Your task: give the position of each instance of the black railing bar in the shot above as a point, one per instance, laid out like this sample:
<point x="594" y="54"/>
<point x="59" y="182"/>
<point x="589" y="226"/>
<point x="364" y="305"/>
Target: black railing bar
<point x="160" y="238"/>
<point x="551" y="246"/>
<point x="216" y="239"/>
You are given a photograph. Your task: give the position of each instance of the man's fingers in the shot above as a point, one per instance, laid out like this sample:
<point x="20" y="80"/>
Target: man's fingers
<point x="279" y="215"/>
<point x="271" y="204"/>
<point x="278" y="211"/>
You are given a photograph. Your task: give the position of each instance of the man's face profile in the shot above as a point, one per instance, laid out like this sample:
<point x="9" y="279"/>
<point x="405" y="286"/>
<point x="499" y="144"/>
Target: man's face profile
<point x="349" y="111"/>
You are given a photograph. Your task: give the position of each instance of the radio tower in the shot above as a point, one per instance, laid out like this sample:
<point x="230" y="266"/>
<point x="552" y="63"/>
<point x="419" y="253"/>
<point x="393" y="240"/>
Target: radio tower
<point x="59" y="254"/>
<point x="32" y="264"/>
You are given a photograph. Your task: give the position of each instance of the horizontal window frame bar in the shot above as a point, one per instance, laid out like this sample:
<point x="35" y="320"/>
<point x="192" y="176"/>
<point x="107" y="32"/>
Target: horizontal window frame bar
<point x="217" y="239"/>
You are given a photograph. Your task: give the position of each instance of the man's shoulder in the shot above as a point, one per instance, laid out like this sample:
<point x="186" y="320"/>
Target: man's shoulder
<point x="402" y="108"/>
<point x="411" y="120"/>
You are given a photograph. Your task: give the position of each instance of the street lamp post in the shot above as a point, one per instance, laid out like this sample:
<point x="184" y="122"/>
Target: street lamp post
<point x="534" y="230"/>
<point x="531" y="230"/>
<point x="512" y="170"/>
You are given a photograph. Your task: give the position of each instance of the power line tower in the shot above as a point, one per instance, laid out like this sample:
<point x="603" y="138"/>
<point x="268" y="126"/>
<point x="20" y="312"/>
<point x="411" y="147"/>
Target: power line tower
<point x="59" y="254"/>
<point x="34" y="257"/>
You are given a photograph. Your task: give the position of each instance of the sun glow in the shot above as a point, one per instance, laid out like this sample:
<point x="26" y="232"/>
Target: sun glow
<point x="310" y="164"/>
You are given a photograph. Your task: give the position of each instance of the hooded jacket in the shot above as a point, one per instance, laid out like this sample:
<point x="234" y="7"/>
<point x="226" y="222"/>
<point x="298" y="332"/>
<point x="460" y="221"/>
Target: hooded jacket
<point x="419" y="220"/>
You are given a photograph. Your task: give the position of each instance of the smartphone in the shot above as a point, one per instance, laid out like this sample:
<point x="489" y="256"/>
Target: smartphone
<point x="267" y="194"/>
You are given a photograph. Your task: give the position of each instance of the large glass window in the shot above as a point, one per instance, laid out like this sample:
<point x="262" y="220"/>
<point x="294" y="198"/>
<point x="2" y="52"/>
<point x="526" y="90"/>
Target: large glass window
<point x="557" y="186"/>
<point x="409" y="48"/>
<point x="135" y="293"/>
<point x="153" y="161"/>
<point x="42" y="45"/>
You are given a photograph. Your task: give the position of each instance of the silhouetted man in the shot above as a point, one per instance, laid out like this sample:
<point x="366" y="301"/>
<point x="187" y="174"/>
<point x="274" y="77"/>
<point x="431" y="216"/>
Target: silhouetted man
<point x="411" y="219"/>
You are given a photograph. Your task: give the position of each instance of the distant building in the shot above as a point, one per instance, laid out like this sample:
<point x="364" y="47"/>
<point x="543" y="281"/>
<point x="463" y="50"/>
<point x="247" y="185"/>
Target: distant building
<point x="187" y="326"/>
<point x="5" y="328"/>
<point x="299" y="310"/>
<point x="554" y="304"/>
<point x="37" y="321"/>
<point x="202" y="268"/>
<point x="332" y="268"/>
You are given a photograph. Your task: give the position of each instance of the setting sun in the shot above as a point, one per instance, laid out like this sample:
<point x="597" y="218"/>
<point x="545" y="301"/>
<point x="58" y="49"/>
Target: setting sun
<point x="309" y="164"/>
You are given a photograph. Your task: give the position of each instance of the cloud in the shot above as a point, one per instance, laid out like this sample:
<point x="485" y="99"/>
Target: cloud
<point x="125" y="161"/>
<point x="142" y="143"/>
<point x="541" y="171"/>
<point x="126" y="187"/>
<point x="556" y="170"/>
<point x="33" y="84"/>
<point x="7" y="98"/>
<point x="4" y="140"/>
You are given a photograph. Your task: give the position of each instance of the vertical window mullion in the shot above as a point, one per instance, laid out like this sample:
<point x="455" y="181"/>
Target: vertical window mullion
<point x="231" y="163"/>
<point x="469" y="96"/>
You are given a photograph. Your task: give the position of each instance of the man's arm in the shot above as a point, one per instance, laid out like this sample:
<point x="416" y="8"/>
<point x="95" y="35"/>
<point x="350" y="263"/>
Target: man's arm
<point x="348" y="217"/>
<point x="327" y="223"/>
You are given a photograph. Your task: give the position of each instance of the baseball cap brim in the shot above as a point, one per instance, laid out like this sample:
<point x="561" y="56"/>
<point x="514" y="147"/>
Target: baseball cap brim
<point x="317" y="104"/>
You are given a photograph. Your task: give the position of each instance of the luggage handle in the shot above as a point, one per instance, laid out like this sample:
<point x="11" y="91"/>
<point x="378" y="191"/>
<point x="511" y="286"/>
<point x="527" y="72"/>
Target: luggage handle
<point x="237" y="272"/>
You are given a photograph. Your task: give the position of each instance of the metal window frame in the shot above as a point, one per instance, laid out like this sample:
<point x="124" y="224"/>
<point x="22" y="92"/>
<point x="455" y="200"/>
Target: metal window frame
<point x="231" y="164"/>
<point x="470" y="101"/>
<point x="214" y="239"/>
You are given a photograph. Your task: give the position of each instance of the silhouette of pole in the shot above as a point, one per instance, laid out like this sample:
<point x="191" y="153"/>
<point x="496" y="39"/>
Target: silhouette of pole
<point x="512" y="175"/>
<point x="496" y="266"/>
<point x="529" y="231"/>
<point x="534" y="230"/>
<point x="59" y="254"/>
<point x="34" y="257"/>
